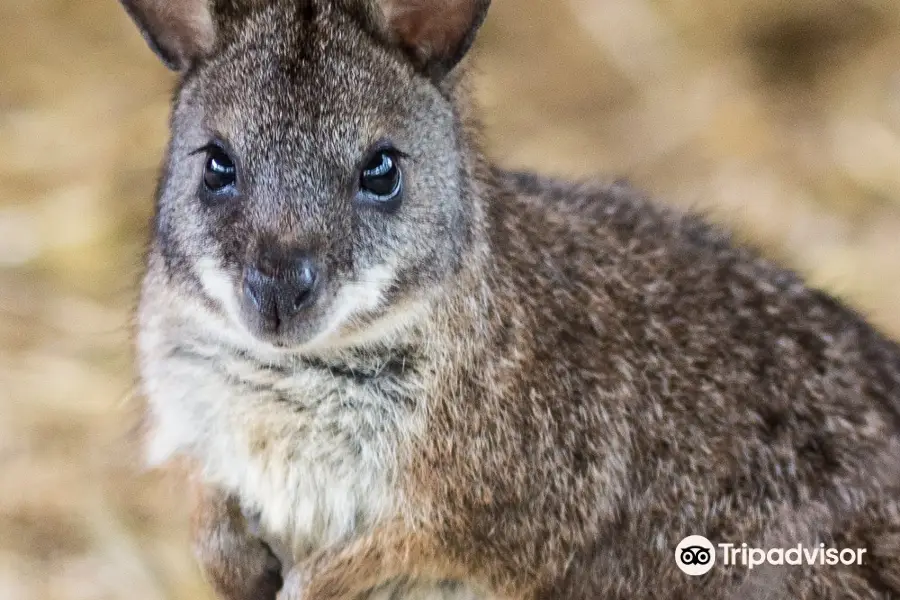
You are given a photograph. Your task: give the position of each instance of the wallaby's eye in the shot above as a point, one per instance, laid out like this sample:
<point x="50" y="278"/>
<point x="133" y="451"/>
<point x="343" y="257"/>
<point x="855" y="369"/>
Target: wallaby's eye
<point x="381" y="179"/>
<point x="219" y="172"/>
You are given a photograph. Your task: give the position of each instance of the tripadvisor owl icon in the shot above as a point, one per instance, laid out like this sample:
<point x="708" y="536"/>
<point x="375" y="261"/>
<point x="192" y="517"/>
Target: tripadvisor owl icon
<point x="695" y="555"/>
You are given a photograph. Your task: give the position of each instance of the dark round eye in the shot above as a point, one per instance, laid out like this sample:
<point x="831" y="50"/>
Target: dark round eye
<point x="219" y="172"/>
<point x="381" y="179"/>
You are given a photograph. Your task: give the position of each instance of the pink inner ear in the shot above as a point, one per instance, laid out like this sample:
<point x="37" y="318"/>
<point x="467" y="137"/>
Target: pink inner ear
<point x="193" y="25"/>
<point x="179" y="30"/>
<point x="433" y="28"/>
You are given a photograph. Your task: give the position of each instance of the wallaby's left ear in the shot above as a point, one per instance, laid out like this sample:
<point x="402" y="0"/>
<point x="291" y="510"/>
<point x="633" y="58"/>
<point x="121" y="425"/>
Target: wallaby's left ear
<point x="435" y="33"/>
<point x="179" y="31"/>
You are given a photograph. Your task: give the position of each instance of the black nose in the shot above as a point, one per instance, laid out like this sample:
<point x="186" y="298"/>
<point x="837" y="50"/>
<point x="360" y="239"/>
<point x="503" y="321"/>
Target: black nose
<point x="280" y="290"/>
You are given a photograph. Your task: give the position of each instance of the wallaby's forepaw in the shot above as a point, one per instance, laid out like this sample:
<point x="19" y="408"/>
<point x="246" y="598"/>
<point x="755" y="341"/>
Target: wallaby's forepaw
<point x="239" y="566"/>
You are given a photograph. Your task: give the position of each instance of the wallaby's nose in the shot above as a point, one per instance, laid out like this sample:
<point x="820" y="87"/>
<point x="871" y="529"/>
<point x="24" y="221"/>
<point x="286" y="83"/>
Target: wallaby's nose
<point x="280" y="288"/>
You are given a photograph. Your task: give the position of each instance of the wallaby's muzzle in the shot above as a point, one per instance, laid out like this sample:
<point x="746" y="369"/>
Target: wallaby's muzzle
<point x="278" y="287"/>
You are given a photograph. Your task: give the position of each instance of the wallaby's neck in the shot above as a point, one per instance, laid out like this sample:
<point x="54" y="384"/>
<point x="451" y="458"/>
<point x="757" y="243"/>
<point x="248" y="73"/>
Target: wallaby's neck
<point x="465" y="318"/>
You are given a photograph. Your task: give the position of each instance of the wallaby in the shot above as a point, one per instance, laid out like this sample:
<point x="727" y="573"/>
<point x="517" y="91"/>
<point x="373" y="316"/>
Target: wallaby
<point x="394" y="369"/>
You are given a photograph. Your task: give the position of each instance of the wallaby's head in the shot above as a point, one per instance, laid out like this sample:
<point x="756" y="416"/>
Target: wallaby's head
<point x="316" y="184"/>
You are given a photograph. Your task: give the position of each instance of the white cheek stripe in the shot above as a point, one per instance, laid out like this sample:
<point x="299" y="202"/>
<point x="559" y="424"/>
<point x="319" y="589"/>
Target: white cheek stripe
<point x="218" y="285"/>
<point x="353" y="299"/>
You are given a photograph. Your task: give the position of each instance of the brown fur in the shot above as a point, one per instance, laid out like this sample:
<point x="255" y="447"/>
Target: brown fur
<point x="547" y="386"/>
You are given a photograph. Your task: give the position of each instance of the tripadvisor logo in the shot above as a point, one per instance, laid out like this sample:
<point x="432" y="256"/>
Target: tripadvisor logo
<point x="696" y="555"/>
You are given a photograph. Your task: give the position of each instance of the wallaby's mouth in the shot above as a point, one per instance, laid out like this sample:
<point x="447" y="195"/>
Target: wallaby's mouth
<point x="279" y="288"/>
<point x="272" y="305"/>
<point x="284" y="315"/>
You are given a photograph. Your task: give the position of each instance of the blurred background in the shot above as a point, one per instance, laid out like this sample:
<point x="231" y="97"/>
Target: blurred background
<point x="780" y="119"/>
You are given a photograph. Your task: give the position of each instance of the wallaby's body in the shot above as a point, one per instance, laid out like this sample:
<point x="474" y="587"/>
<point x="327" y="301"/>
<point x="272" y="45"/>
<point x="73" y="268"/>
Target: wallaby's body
<point x="459" y="382"/>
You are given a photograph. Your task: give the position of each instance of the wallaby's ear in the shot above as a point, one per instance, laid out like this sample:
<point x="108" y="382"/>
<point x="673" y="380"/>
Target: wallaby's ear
<point x="436" y="33"/>
<point x="179" y="31"/>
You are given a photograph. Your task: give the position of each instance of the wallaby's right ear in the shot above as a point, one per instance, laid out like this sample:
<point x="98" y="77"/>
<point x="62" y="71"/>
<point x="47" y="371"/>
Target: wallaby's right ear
<point x="435" y="33"/>
<point x="179" y="31"/>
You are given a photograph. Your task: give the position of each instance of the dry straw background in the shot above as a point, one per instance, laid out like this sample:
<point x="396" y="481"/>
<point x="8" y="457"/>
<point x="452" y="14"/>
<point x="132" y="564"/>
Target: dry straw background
<point x="780" y="118"/>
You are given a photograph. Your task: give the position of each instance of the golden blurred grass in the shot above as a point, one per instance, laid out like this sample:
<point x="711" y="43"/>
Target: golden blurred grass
<point x="779" y="119"/>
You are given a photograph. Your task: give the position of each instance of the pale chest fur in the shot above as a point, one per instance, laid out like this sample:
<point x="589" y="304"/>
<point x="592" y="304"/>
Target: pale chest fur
<point x="315" y="451"/>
